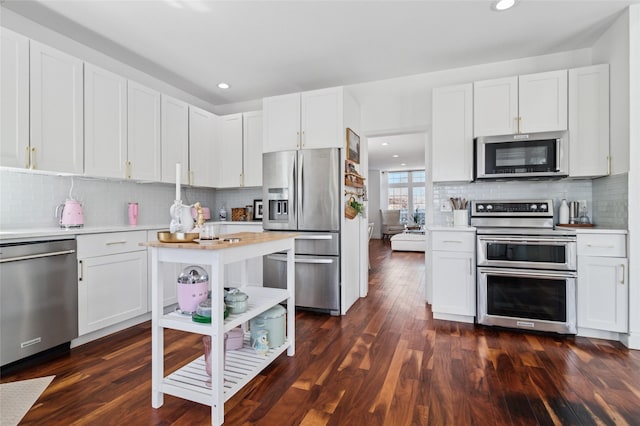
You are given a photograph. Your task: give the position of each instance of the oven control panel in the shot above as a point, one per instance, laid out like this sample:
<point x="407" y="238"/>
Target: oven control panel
<point x="512" y="208"/>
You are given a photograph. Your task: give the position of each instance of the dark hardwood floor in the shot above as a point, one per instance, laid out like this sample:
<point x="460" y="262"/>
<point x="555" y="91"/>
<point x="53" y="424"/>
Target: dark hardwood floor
<point x="385" y="363"/>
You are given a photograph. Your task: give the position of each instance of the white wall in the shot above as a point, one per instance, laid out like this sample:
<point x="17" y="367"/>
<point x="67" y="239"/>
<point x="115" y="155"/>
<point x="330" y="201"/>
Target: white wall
<point x="634" y="177"/>
<point x="620" y="47"/>
<point x="373" y="206"/>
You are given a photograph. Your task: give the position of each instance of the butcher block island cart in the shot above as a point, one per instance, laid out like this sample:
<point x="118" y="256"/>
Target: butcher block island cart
<point x="191" y="381"/>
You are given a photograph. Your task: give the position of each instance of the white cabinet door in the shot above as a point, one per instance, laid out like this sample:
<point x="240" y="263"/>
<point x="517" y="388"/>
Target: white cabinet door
<point x="542" y="102"/>
<point x="105" y="123"/>
<point x="452" y="139"/>
<point x="230" y="151"/>
<point x="168" y="277"/>
<point x="454" y="289"/>
<point x="14" y="106"/>
<point x="603" y="293"/>
<point x="174" y="138"/>
<point x="252" y="148"/>
<point x="589" y="121"/>
<point x="202" y="148"/>
<point x="143" y="124"/>
<point x="281" y="121"/>
<point x="111" y="289"/>
<point x="495" y="106"/>
<point x="56" y="110"/>
<point x="321" y="119"/>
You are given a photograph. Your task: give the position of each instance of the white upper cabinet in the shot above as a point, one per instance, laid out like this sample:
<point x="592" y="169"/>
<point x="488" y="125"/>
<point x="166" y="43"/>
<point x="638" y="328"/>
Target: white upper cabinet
<point x="525" y="104"/>
<point x="105" y="123"/>
<point x="252" y="148"/>
<point x="143" y="147"/>
<point x="322" y="119"/>
<point x="14" y="107"/>
<point x="175" y="138"/>
<point x="202" y="148"/>
<point x="543" y="101"/>
<point x="240" y="150"/>
<point x="230" y="151"/>
<point x="281" y="116"/>
<point x="495" y="106"/>
<point x="452" y="139"/>
<point x="589" y="121"/>
<point x="56" y="110"/>
<point x="305" y="120"/>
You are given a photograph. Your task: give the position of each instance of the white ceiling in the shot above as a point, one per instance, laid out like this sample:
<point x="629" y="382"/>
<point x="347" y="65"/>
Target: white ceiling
<point x="408" y="148"/>
<point x="265" y="48"/>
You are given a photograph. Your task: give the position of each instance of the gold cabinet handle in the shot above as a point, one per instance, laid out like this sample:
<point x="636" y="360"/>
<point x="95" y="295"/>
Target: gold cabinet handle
<point x="128" y="169"/>
<point x="299" y="139"/>
<point x="519" y="122"/>
<point x="79" y="270"/>
<point x="192" y="177"/>
<point x="33" y="158"/>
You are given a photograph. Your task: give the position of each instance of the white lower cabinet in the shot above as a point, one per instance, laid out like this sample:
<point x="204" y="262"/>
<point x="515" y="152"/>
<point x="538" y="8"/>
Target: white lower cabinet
<point x="112" y="279"/>
<point x="603" y="283"/>
<point x="453" y="275"/>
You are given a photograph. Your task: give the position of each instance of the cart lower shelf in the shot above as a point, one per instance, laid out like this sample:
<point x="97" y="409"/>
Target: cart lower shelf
<point x="241" y="366"/>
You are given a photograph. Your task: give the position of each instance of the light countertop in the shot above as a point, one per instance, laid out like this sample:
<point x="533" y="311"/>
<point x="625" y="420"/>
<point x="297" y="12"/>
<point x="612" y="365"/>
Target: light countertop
<point x="594" y="230"/>
<point x="57" y="233"/>
<point x="451" y="228"/>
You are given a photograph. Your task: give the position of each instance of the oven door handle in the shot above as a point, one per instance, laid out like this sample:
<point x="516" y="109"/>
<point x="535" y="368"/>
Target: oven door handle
<point x="537" y="241"/>
<point x="526" y="273"/>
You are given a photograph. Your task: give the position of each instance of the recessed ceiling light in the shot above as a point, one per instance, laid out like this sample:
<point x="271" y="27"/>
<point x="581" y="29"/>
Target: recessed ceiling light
<point x="385" y="143"/>
<point x="403" y="164"/>
<point x="501" y="5"/>
<point x="223" y="86"/>
<point x="395" y="155"/>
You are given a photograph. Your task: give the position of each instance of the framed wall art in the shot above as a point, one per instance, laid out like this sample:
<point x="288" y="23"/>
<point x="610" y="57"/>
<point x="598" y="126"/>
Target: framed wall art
<point x="353" y="146"/>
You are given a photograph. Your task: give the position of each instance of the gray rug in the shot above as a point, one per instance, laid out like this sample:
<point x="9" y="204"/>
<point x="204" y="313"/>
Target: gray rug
<point x="16" y="398"/>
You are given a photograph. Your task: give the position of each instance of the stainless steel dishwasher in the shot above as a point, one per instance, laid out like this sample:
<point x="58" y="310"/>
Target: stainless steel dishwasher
<point x="38" y="297"/>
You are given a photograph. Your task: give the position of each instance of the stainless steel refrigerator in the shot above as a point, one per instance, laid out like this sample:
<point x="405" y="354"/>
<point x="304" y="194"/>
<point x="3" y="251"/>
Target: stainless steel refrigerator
<point x="301" y="192"/>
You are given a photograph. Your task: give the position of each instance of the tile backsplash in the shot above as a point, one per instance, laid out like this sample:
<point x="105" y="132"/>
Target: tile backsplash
<point x="29" y="199"/>
<point x="611" y="201"/>
<point x="556" y="190"/>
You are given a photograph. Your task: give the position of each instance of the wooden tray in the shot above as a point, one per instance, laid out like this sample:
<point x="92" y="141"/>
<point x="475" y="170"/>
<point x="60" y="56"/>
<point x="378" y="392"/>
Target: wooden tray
<point x="577" y="225"/>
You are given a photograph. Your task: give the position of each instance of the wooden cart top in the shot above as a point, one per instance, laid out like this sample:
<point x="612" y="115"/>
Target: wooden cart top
<point x="226" y="241"/>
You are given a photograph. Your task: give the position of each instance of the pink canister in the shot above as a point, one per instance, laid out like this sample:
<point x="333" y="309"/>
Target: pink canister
<point x="234" y="338"/>
<point x="193" y="288"/>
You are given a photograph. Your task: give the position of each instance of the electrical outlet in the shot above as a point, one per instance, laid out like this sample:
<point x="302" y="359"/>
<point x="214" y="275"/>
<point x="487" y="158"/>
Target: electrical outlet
<point x="445" y="206"/>
<point x="582" y="204"/>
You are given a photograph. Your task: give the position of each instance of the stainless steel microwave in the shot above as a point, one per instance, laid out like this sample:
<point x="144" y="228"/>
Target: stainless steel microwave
<point x="531" y="155"/>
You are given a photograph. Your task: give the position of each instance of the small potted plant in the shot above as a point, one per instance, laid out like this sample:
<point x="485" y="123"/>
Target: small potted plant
<point x="353" y="208"/>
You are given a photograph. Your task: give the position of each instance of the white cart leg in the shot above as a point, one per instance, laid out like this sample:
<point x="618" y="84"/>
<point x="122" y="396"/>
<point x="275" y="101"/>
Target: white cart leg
<point x="157" y="335"/>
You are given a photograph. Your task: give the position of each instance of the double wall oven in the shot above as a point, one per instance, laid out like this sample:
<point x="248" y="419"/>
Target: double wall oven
<point x="526" y="269"/>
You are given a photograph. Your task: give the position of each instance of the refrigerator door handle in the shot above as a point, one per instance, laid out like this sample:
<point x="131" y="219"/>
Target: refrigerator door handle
<point x="314" y="237"/>
<point x="295" y="190"/>
<point x="283" y="258"/>
<point x="300" y="194"/>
